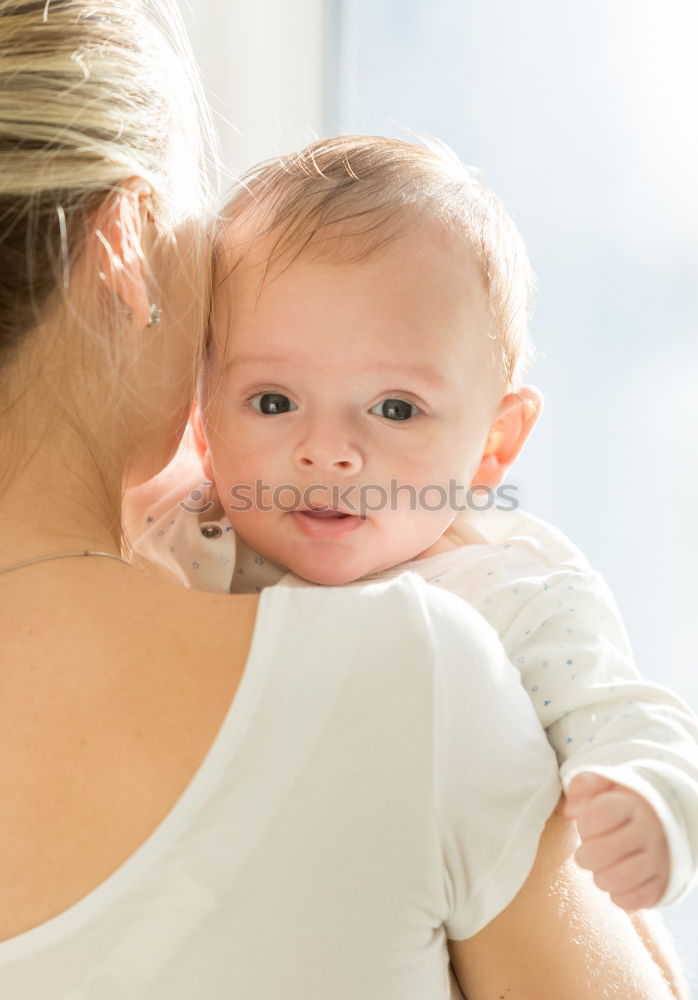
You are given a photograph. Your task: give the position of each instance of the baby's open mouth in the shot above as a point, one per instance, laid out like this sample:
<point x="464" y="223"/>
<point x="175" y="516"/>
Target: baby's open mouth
<point x="326" y="522"/>
<point x="323" y="513"/>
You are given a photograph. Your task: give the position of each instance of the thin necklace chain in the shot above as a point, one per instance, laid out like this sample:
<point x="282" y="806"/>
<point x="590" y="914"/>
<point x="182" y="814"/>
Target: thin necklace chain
<point x="62" y="555"/>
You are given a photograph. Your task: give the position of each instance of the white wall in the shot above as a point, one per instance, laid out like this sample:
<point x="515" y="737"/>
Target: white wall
<point x="264" y="68"/>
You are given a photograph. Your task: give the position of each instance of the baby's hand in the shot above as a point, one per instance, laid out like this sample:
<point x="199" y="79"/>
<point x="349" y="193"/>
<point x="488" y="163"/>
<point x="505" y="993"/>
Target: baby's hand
<point x="623" y="842"/>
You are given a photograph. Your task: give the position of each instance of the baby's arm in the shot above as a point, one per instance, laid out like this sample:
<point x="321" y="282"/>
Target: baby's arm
<point x="628" y="750"/>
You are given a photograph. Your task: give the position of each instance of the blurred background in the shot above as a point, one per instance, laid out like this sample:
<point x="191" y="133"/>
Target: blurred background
<point x="583" y="118"/>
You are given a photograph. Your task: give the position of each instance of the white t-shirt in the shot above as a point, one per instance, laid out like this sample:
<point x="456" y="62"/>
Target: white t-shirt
<point x="379" y="784"/>
<point x="555" y="617"/>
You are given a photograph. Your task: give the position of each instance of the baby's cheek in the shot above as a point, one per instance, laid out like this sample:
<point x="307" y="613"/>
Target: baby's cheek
<point x="436" y="457"/>
<point x="435" y="490"/>
<point x="239" y="465"/>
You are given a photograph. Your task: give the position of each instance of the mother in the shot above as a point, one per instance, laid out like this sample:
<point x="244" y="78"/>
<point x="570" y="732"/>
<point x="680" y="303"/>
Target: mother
<point x="303" y="796"/>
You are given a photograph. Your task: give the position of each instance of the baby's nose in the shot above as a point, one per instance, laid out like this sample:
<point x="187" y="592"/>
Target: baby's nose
<point x="326" y="455"/>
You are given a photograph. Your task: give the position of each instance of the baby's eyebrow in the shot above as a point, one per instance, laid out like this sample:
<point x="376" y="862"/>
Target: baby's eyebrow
<point x="426" y="374"/>
<point x="255" y="360"/>
<point x="417" y="373"/>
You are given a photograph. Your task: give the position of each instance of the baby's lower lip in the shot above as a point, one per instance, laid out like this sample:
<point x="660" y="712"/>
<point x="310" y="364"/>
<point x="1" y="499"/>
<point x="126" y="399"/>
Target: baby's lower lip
<point x="326" y="523"/>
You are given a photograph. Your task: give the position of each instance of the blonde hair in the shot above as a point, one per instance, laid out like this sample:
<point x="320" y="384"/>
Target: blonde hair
<point x="351" y="196"/>
<point x="92" y="93"/>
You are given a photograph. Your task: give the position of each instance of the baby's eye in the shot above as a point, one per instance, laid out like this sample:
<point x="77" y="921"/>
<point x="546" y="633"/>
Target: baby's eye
<point x="395" y="409"/>
<point x="272" y="402"/>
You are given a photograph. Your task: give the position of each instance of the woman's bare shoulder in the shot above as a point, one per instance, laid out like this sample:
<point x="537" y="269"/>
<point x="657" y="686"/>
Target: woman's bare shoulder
<point x="219" y="624"/>
<point x="115" y="686"/>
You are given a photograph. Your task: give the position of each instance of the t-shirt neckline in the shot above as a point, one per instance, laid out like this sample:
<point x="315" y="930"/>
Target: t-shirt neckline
<point x="229" y="736"/>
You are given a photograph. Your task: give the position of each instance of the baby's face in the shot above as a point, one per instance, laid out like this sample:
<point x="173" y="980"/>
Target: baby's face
<point x="346" y="394"/>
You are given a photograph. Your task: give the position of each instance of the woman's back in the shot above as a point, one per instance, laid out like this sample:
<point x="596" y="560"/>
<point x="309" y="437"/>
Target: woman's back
<point x="327" y="842"/>
<point x="112" y="697"/>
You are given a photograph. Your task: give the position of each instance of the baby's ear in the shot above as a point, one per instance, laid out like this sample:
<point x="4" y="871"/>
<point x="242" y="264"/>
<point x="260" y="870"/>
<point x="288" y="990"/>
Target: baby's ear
<point x="200" y="442"/>
<point x="515" y="419"/>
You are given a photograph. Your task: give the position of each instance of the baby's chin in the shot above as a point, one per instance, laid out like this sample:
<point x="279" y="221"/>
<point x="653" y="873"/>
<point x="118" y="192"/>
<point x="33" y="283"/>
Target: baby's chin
<point x="335" y="569"/>
<point x="338" y="572"/>
<point x="328" y="576"/>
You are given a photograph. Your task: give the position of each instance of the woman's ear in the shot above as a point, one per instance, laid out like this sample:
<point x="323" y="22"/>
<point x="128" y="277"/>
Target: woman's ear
<point x="515" y="419"/>
<point x="119" y="234"/>
<point x="200" y="442"/>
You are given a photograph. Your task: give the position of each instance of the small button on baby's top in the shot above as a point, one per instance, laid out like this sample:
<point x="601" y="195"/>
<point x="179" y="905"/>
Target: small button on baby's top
<point x="211" y="531"/>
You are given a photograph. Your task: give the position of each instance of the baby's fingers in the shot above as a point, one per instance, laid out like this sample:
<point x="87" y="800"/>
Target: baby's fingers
<point x="642" y="897"/>
<point x="633" y="883"/>
<point x="599" y="852"/>
<point x="582" y="788"/>
<point x="604" y="814"/>
<point x="625" y="875"/>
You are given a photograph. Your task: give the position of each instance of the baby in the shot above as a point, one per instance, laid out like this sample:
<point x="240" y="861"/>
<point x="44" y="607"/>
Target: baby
<point x="362" y="402"/>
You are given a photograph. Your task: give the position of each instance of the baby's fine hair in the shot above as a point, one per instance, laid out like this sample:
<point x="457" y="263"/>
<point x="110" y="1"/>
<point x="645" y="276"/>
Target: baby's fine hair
<point x="349" y="197"/>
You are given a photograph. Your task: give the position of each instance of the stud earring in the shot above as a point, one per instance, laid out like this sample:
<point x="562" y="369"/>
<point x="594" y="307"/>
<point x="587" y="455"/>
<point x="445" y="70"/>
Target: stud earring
<point x="155" y="315"/>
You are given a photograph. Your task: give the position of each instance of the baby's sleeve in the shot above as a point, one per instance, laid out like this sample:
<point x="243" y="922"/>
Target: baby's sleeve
<point x="601" y="716"/>
<point x="495" y="777"/>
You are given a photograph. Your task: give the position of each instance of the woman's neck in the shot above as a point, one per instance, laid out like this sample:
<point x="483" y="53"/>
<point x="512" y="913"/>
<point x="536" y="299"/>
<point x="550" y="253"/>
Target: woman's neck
<point x="55" y="501"/>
